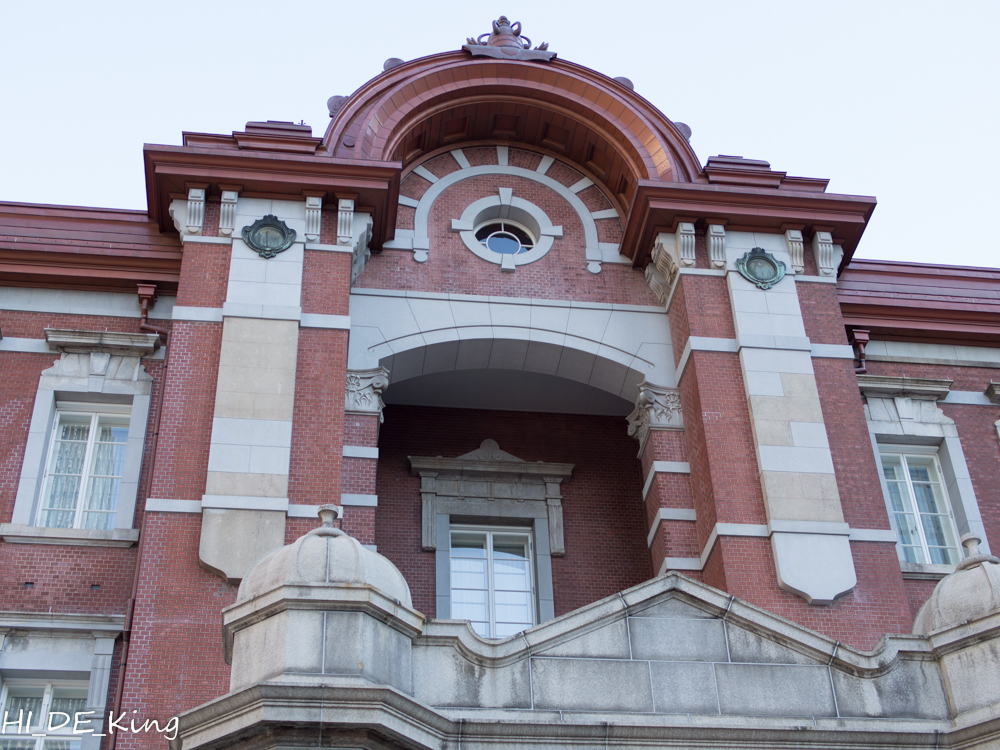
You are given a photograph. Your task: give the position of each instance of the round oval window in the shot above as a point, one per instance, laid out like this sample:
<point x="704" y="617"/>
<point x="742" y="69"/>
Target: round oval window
<point x="504" y="237"/>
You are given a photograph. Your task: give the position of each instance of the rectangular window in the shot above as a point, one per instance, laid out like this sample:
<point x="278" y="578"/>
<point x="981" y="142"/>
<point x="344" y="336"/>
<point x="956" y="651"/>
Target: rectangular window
<point x="85" y="465"/>
<point x="492" y="581"/>
<point x="919" y="502"/>
<point x="35" y="715"/>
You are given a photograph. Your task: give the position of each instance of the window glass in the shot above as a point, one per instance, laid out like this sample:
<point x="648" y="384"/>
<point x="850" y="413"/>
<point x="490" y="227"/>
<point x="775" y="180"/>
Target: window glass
<point x="492" y="582"/>
<point x="86" y="464"/>
<point x="505" y="237"/>
<point x="41" y="699"/>
<point x="921" y="509"/>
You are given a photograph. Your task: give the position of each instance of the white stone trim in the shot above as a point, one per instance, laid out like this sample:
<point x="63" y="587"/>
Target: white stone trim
<point x="366" y="501"/>
<point x="267" y="312"/>
<point x="26" y="346"/>
<point x="426" y="174"/>
<point x="22" y="534"/>
<point x="607" y="213"/>
<point x="239" y="503"/>
<point x="669" y="514"/>
<point x="79" y="302"/>
<point x="581" y="185"/>
<point x="243" y="502"/>
<point x="544" y="164"/>
<point x="161" y="505"/>
<point x="765" y="531"/>
<point x="503" y="156"/>
<point x="461" y="158"/>
<point x="967" y="398"/>
<point x="405" y="200"/>
<point x="202" y="240"/>
<point x="329" y="248"/>
<point x="816" y="279"/>
<point x="575" y="304"/>
<point x="197" y="314"/>
<point x="506" y="206"/>
<point x="832" y="351"/>
<point x="421" y="243"/>
<point x="702" y="271"/>
<point x="954" y="355"/>
<point x="359" y="451"/>
<point x="317" y="320"/>
<point x="664" y="467"/>
<point x="704" y="344"/>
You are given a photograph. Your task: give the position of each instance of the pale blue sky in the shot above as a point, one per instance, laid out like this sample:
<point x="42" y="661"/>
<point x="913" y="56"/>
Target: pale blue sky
<point x="893" y="99"/>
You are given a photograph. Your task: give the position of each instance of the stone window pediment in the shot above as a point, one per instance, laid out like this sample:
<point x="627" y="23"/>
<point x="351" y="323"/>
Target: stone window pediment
<point x="490" y="483"/>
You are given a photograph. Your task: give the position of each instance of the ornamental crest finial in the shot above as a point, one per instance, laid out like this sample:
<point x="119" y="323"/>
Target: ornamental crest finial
<point x="506" y="42"/>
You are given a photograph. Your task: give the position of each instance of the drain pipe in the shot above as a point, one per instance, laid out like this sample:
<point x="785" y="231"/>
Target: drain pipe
<point x="147" y="298"/>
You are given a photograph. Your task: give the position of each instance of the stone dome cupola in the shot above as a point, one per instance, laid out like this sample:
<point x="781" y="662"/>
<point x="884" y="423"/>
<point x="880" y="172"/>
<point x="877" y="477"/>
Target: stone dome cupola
<point x="325" y="555"/>
<point x="970" y="593"/>
<point x="323" y="606"/>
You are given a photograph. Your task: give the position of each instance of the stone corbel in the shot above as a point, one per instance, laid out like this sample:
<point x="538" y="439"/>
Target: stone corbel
<point x="825" y="253"/>
<point x="314" y="214"/>
<point x="658" y="283"/>
<point x="685" y="242"/>
<point x="345" y="221"/>
<point x="227" y="211"/>
<point x="656" y="408"/>
<point x="195" y="209"/>
<point x="717" y="245"/>
<point x="796" y="249"/>
<point x="664" y="257"/>
<point x="363" y="394"/>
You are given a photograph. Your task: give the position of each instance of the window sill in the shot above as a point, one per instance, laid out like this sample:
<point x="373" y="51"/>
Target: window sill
<point x="924" y="572"/>
<point x="16" y="533"/>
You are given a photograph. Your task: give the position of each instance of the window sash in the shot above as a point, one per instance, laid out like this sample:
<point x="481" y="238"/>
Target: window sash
<point x="920" y="505"/>
<point x="500" y="588"/>
<point x="83" y="490"/>
<point x="45" y="697"/>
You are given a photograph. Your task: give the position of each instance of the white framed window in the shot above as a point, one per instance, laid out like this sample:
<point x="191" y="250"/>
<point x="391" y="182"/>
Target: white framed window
<point x="492" y="579"/>
<point x="40" y="715"/>
<point x="85" y="465"/>
<point x="918" y="498"/>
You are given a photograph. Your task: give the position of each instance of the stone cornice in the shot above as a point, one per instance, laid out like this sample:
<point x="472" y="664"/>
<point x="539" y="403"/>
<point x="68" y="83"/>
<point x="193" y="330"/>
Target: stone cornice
<point x="883" y="386"/>
<point x="109" y="342"/>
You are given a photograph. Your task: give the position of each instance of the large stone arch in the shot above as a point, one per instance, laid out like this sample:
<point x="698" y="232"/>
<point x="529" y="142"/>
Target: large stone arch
<point x="419" y="106"/>
<point x="612" y="348"/>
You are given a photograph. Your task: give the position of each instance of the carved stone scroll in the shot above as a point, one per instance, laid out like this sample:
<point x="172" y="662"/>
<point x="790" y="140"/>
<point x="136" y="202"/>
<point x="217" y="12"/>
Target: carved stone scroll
<point x="363" y="391"/>
<point x="656" y="408"/>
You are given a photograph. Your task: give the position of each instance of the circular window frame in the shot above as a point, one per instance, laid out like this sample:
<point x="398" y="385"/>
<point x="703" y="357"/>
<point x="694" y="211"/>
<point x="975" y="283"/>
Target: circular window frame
<point x="506" y="207"/>
<point x="490" y="222"/>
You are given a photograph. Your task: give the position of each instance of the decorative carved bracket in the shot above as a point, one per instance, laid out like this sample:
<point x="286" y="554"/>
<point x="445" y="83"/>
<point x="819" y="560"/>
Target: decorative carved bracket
<point x="195" y="210"/>
<point x="314" y="214"/>
<point x="490" y="483"/>
<point x="717" y="245"/>
<point x="345" y="221"/>
<point x="796" y="249"/>
<point x="656" y="408"/>
<point x="227" y="212"/>
<point x="363" y="391"/>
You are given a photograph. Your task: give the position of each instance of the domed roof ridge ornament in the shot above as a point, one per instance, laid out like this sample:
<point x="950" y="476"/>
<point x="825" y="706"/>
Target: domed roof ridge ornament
<point x="506" y="42"/>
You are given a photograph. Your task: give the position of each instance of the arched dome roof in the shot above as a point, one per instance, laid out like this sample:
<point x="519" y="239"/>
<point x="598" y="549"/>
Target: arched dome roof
<point x="971" y="592"/>
<point x="445" y="100"/>
<point x="325" y="555"/>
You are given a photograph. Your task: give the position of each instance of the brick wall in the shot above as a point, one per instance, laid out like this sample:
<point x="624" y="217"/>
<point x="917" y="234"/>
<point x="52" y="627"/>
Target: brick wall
<point x="604" y="517"/>
<point x="451" y="267"/>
